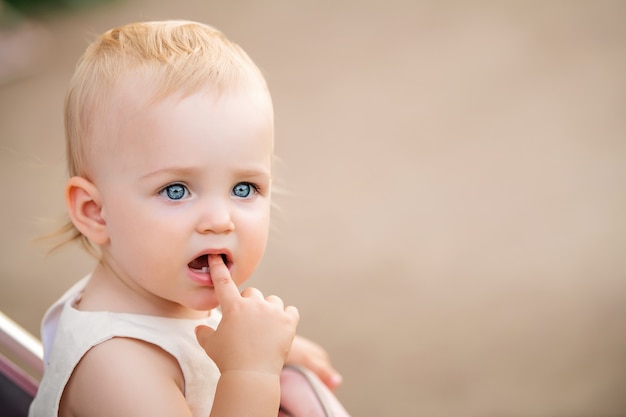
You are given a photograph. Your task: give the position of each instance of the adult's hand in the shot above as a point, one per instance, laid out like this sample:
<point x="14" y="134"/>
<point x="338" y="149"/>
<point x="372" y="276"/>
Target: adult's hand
<point x="312" y="356"/>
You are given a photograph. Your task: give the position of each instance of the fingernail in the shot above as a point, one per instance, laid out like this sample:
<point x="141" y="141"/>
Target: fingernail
<point x="336" y="380"/>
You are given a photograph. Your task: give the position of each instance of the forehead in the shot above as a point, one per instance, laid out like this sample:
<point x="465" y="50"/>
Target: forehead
<point x="142" y="91"/>
<point x="137" y="121"/>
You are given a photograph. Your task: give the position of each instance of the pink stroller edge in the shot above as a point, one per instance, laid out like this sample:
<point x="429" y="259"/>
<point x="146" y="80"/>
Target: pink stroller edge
<point x="18" y="350"/>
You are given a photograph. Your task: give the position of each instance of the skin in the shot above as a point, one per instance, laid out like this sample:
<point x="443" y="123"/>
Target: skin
<point x="161" y="192"/>
<point x="200" y="146"/>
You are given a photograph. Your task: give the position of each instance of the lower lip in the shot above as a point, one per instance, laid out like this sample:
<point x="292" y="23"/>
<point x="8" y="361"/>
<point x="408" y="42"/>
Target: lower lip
<point x="203" y="278"/>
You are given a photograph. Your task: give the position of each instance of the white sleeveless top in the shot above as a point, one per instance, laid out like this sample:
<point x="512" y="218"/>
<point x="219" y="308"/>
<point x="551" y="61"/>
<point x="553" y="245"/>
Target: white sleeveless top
<point x="69" y="333"/>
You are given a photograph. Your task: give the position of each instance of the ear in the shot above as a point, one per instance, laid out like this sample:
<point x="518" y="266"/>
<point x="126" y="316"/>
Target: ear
<point x="84" y="205"/>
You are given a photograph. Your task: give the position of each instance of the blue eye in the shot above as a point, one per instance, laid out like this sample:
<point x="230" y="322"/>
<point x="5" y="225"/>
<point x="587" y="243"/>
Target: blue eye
<point x="174" y="191"/>
<point x="243" y="190"/>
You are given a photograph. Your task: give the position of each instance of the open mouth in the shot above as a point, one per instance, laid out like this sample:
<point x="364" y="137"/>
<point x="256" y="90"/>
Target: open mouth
<point x="201" y="263"/>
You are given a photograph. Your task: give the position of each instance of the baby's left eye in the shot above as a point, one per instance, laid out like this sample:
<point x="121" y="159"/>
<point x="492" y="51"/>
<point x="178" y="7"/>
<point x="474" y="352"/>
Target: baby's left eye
<point x="243" y="189"/>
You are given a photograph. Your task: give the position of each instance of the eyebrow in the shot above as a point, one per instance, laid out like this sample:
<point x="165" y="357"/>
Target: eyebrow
<point x="179" y="171"/>
<point x="190" y="171"/>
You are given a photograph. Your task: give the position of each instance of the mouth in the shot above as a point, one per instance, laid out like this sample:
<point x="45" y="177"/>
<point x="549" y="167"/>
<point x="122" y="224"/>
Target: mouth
<point x="201" y="263"/>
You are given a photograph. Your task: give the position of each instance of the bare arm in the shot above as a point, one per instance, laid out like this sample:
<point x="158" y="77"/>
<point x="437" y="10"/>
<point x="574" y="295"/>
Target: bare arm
<point x="125" y="377"/>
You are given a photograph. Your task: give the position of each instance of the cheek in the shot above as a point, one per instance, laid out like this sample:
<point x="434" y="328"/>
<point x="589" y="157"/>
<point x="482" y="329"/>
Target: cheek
<point x="254" y="230"/>
<point x="124" y="221"/>
<point x="146" y="248"/>
<point x="258" y="238"/>
<point x="257" y="223"/>
<point x="137" y="230"/>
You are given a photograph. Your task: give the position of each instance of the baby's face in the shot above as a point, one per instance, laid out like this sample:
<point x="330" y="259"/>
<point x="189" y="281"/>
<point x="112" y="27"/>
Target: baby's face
<point x="181" y="179"/>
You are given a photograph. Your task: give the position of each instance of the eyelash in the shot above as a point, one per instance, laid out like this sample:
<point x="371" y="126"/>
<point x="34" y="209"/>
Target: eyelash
<point x="255" y="189"/>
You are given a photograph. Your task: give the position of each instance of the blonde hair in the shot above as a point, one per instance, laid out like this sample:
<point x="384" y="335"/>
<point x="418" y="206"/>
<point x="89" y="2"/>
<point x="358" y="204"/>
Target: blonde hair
<point x="177" y="56"/>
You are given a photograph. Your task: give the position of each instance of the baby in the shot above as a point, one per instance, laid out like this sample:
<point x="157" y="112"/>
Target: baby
<point x="169" y="128"/>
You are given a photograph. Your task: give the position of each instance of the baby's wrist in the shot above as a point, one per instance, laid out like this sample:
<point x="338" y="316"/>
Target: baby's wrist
<point x="261" y="379"/>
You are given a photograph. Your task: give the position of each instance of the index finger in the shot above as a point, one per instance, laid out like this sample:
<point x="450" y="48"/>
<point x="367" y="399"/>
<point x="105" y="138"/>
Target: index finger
<point x="225" y="288"/>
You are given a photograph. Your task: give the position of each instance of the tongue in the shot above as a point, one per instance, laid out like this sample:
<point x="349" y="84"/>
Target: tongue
<point x="200" y="262"/>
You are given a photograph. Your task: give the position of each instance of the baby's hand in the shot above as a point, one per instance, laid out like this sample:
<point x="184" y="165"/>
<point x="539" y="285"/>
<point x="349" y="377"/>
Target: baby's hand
<point x="255" y="333"/>
<point x="312" y="356"/>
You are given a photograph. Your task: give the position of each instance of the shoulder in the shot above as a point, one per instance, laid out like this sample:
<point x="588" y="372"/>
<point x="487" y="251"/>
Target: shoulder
<point x="124" y="376"/>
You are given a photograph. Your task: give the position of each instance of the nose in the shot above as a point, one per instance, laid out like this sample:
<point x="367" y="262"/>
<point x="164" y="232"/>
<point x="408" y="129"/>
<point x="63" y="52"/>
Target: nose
<point x="216" y="217"/>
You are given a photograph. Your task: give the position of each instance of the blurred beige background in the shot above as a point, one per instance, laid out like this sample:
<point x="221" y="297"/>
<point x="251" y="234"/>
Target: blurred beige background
<point x="454" y="227"/>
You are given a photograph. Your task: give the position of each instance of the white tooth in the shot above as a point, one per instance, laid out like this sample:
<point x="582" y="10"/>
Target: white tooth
<point x="205" y="269"/>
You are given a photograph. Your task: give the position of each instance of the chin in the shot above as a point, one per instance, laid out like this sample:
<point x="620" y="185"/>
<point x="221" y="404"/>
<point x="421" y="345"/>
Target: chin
<point x="203" y="303"/>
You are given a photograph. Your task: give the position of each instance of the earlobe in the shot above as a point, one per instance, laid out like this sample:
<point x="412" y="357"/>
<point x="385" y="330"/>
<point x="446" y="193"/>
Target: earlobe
<point x="84" y="205"/>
